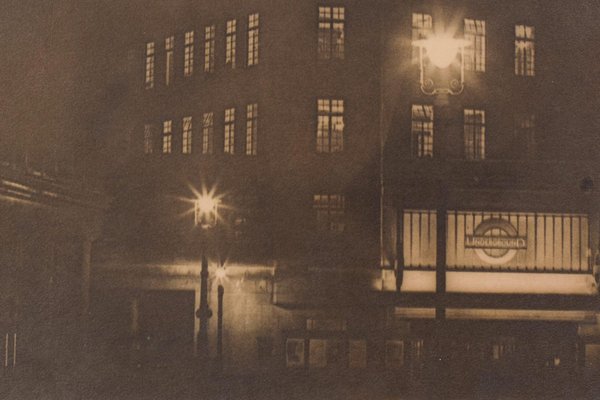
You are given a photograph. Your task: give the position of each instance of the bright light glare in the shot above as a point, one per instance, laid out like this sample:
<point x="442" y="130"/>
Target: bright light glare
<point x="206" y="204"/>
<point x="220" y="273"/>
<point x="441" y="50"/>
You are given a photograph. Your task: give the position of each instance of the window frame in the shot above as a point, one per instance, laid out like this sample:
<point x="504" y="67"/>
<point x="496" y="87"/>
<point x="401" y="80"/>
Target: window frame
<point x="208" y="132"/>
<point x="475" y="55"/>
<point x="149" y="66"/>
<point x="525" y="50"/>
<point x="474" y="134"/>
<point x="231" y="43"/>
<point x="188" y="55"/>
<point x="229" y="131"/>
<point x="330" y="116"/>
<point x="148" y="138"/>
<point x="422" y="131"/>
<point x="419" y="30"/>
<point x="186" y="135"/>
<point x="330" y="212"/>
<point x="253" y="39"/>
<point x="331" y="36"/>
<point x="167" y="136"/>
<point x="169" y="59"/>
<point x="209" y="48"/>
<point x="251" y="129"/>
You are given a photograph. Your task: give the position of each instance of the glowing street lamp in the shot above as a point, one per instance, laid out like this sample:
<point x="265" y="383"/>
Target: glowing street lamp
<point x="206" y="208"/>
<point x="442" y="51"/>
<point x="206" y="211"/>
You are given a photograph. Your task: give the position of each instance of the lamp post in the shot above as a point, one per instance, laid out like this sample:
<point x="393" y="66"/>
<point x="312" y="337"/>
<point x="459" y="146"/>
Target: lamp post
<point x="441" y="52"/>
<point x="206" y="217"/>
<point x="220" y="275"/>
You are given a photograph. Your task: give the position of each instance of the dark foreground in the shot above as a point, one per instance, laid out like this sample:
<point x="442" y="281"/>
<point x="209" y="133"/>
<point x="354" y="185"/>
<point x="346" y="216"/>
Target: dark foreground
<point x="184" y="382"/>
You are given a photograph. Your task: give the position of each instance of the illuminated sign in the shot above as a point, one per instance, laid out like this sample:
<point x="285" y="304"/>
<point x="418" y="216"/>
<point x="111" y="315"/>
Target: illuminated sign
<point x="495" y="241"/>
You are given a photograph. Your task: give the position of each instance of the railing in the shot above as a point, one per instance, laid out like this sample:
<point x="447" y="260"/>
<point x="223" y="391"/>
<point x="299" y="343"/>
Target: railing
<point x="499" y="241"/>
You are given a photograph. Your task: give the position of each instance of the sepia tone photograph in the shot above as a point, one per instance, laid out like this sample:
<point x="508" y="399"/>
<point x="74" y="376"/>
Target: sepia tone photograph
<point x="299" y="199"/>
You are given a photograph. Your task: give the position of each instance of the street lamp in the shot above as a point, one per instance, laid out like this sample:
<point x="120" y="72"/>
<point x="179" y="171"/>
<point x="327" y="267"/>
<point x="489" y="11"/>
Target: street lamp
<point x="442" y="51"/>
<point x="206" y="208"/>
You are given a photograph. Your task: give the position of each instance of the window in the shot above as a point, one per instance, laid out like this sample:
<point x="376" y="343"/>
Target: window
<point x="294" y="352"/>
<point x="229" y="143"/>
<point x="474" y="134"/>
<point x="148" y="139"/>
<point x="475" y="52"/>
<point x="149" y="65"/>
<point x="187" y="136"/>
<point x="207" y="133"/>
<point x="330" y="212"/>
<point x="188" y="56"/>
<point x="167" y="137"/>
<point x="525" y="134"/>
<point x="422" y="26"/>
<point x="524" y="50"/>
<point x="209" y="48"/>
<point x="330" y="126"/>
<point x="394" y="354"/>
<point x="331" y="33"/>
<point x="251" y="129"/>
<point x="230" y="43"/>
<point x="357" y="353"/>
<point x="422" y="130"/>
<point x="169" y="44"/>
<point x="252" y="39"/>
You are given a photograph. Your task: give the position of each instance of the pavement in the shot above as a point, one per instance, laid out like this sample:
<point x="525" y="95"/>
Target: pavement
<point x="184" y="382"/>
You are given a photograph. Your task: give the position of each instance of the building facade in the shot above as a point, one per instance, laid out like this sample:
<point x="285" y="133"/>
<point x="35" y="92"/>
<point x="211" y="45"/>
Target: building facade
<point x="359" y="211"/>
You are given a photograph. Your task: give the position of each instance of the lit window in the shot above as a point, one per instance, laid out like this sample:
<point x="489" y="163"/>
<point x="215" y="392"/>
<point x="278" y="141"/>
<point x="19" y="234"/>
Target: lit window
<point x="331" y="33"/>
<point x="148" y="139"/>
<point x="524" y="50"/>
<point x="149" y="65"/>
<point x="422" y="26"/>
<point x="188" y="56"/>
<point x="474" y="53"/>
<point x="229" y="142"/>
<point x="474" y="134"/>
<point x="251" y="129"/>
<point x="187" y="136"/>
<point x="209" y="48"/>
<point x="167" y="137"/>
<point x="207" y="133"/>
<point x="230" y="43"/>
<point x="252" y="39"/>
<point x="525" y="133"/>
<point x="330" y="126"/>
<point x="330" y="212"/>
<point x="169" y="44"/>
<point x="422" y="130"/>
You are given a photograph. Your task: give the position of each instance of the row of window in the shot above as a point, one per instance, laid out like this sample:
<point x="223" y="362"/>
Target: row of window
<point x="330" y="131"/>
<point x="207" y="138"/>
<point x="252" y="36"/>
<point x="422" y="132"/>
<point x="474" y="31"/>
<point x="331" y="42"/>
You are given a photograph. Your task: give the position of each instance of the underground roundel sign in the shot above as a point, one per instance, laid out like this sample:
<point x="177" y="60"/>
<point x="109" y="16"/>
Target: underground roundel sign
<point x="495" y="241"/>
